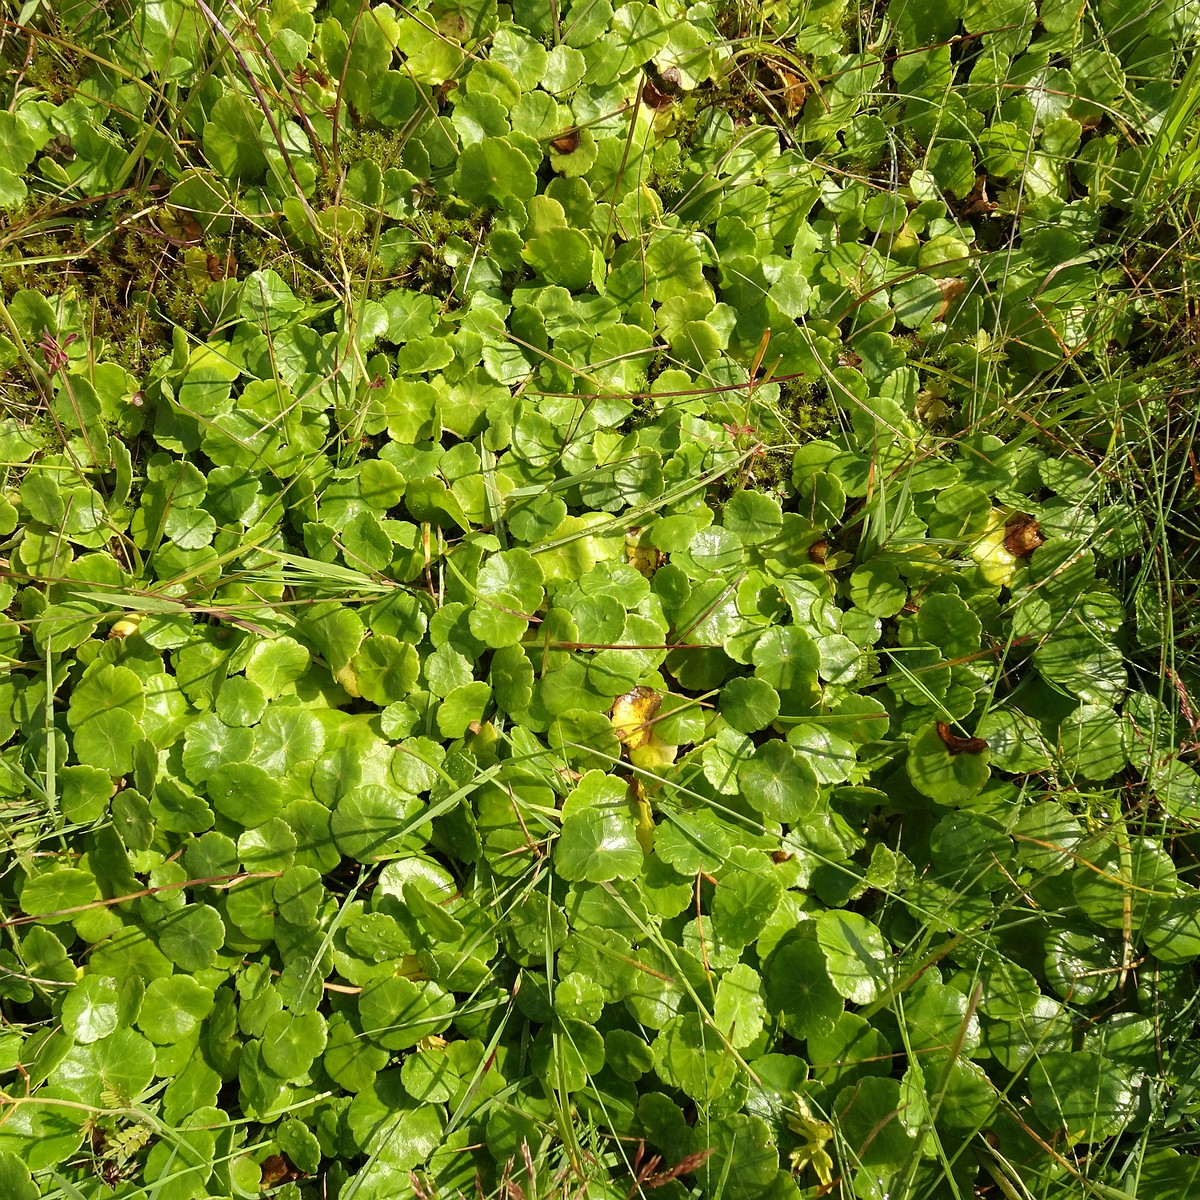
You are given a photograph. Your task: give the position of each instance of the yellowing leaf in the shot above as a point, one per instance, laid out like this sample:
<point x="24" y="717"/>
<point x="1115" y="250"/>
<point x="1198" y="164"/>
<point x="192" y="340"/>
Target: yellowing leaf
<point x="995" y="560"/>
<point x="644" y="558"/>
<point x="347" y="679"/>
<point x="654" y="755"/>
<point x="643" y="815"/>
<point x="125" y="626"/>
<point x="632" y="714"/>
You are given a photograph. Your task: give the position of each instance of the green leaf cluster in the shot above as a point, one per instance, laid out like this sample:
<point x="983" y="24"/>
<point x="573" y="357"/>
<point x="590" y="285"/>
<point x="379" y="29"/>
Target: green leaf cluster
<point x="573" y="640"/>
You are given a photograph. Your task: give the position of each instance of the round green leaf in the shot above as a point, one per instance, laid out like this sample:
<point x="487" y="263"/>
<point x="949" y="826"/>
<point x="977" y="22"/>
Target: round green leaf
<point x="177" y="809"/>
<point x="799" y="987"/>
<point x="240" y="701"/>
<point x="936" y="1017"/>
<point x="1015" y="741"/>
<point x="298" y="893"/>
<point x="840" y="658"/>
<point x="45" y="1135"/>
<point x="270" y="846"/>
<point x="597" y="845"/>
<point x="753" y="517"/>
<point x="875" y="588"/>
<point x="274" y="664"/>
<point x="173" y="1009"/>
<point x="287" y="736"/>
<point x="1177" y="788"/>
<point x="778" y="783"/>
<point x="463" y="707"/>
<point x="372" y="822"/>
<point x="312" y="825"/>
<point x="244" y="793"/>
<point x="585" y="739"/>
<point x="743" y="1158"/>
<point x="946" y="773"/>
<point x="562" y="256"/>
<point x="15" y="1180"/>
<point x="739" y="1010"/>
<point x="856" y="955"/>
<point x="1091" y="741"/>
<point x="107" y="739"/>
<point x="492" y="171"/>
<point x="1081" y="967"/>
<point x="397" y="1013"/>
<point x="49" y="892"/>
<point x="946" y="621"/>
<point x="509" y="592"/>
<point x="84" y="793"/>
<point x="102" y="689"/>
<point x="693" y="1058"/>
<point x="245" y="1177"/>
<point x="692" y="841"/>
<point x="832" y="757"/>
<point x="350" y="1059"/>
<point x="91" y="1010"/>
<point x="299" y="1143"/>
<point x="879" y="1141"/>
<point x="117" y="1067"/>
<point x="1129" y="884"/>
<point x="1175" y="936"/>
<point x="291" y="1043"/>
<point x="191" y="936"/>
<point x="749" y="703"/>
<point x="232" y="142"/>
<point x="1081" y="663"/>
<point x="748" y="893"/>
<point x="386" y="669"/>
<point x="787" y="658"/>
<point x="1088" y="1097"/>
<point x="211" y="743"/>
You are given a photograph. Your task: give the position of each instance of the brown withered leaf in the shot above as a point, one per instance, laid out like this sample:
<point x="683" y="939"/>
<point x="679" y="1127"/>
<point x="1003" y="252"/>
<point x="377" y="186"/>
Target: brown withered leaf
<point x="960" y="745"/>
<point x="221" y="268"/>
<point x="566" y="143"/>
<point x="277" y="1169"/>
<point x="818" y="552"/>
<point x="1022" y="535"/>
<point x="976" y="203"/>
<point x="652" y="97"/>
<point x="60" y="149"/>
<point x="180" y="226"/>
<point x="793" y="88"/>
<point x="951" y="289"/>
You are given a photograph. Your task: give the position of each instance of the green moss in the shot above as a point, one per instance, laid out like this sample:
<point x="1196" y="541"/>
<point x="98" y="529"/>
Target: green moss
<point x="806" y="407"/>
<point x="131" y="286"/>
<point x="383" y="147"/>
<point x="52" y="69"/>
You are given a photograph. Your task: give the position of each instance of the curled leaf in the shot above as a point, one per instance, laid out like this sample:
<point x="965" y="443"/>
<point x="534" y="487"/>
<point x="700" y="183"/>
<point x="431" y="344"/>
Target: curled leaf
<point x="566" y="143"/>
<point x="1022" y="536"/>
<point x="957" y="744"/>
<point x="652" y="97"/>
